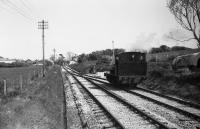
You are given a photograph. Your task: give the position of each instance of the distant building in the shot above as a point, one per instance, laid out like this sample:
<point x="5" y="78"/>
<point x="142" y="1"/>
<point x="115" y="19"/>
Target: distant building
<point x="29" y="61"/>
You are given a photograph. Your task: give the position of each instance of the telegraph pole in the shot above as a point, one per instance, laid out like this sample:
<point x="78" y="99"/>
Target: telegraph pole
<point x="113" y="49"/>
<point x="43" y="25"/>
<point x="113" y="58"/>
<point x="54" y="54"/>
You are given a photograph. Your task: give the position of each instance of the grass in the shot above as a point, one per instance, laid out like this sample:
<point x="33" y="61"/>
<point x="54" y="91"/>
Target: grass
<point x="16" y="76"/>
<point x="163" y="79"/>
<point x="12" y="73"/>
<point x="40" y="105"/>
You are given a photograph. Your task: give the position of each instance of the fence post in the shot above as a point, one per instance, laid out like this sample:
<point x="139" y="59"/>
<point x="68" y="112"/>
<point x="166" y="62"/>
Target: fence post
<point x="38" y="72"/>
<point x="29" y="77"/>
<point x="5" y="87"/>
<point x="34" y="75"/>
<point x="20" y="82"/>
<point x="156" y="59"/>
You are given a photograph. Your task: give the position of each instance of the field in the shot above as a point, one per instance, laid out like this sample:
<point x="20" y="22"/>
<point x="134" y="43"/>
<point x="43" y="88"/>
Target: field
<point x="39" y="105"/>
<point x="19" y="77"/>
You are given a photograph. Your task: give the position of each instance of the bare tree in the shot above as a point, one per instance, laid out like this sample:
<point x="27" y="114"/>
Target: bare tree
<point x="187" y="14"/>
<point x="70" y="55"/>
<point x="177" y="35"/>
<point x="52" y="58"/>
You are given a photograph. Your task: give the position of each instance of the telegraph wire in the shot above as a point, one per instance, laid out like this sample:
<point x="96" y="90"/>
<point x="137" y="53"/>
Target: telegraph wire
<point x="31" y="6"/>
<point x="20" y="5"/>
<point x="17" y="9"/>
<point x="25" y="5"/>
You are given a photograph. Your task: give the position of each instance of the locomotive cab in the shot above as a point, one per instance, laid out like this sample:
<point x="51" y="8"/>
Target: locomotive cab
<point x="129" y="68"/>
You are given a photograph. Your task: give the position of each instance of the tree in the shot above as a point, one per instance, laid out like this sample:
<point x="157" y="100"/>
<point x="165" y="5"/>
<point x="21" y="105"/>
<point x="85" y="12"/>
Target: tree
<point x="82" y="58"/>
<point x="92" y="57"/>
<point x="187" y="14"/>
<point x="155" y="50"/>
<point x="70" y="56"/>
<point x="165" y="48"/>
<point x="178" y="48"/>
<point x="52" y="58"/>
<point x="162" y="48"/>
<point x="60" y="60"/>
<point x="120" y="50"/>
<point x="48" y="63"/>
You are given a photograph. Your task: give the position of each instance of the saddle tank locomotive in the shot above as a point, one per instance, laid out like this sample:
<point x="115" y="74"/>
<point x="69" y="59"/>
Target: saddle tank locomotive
<point x="128" y="68"/>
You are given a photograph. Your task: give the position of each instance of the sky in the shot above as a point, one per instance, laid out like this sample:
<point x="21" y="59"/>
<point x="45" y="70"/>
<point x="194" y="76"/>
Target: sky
<point x="83" y="26"/>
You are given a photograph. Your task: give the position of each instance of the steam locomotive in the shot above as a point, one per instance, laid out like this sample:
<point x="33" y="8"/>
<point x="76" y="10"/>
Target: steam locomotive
<point x="129" y="68"/>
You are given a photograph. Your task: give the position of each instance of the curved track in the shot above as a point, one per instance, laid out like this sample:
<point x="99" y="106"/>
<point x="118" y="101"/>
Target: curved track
<point x="185" y="108"/>
<point x="148" y="116"/>
<point x="188" y="103"/>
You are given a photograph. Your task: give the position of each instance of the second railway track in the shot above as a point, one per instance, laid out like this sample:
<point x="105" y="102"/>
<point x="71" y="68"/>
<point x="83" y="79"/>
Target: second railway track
<point x="188" y="108"/>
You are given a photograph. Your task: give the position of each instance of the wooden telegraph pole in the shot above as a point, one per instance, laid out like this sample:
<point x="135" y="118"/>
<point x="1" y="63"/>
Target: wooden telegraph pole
<point x="43" y="25"/>
<point x="54" y="54"/>
<point x="113" y="58"/>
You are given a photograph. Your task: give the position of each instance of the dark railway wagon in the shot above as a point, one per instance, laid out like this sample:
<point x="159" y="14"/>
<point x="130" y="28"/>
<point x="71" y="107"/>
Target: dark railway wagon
<point x="129" y="68"/>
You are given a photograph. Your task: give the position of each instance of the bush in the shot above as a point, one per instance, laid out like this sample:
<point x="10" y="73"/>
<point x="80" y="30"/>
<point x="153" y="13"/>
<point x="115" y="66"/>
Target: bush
<point x="152" y="60"/>
<point x="14" y="64"/>
<point x="171" y="58"/>
<point x="48" y="63"/>
<point x="156" y="74"/>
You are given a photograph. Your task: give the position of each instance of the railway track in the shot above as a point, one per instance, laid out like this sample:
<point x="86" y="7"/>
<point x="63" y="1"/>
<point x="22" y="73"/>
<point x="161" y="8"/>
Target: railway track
<point x="74" y="71"/>
<point x="136" y="117"/>
<point x="188" y="109"/>
<point x="185" y="107"/>
<point x="102" y="115"/>
<point x="103" y="118"/>
<point x="188" y="103"/>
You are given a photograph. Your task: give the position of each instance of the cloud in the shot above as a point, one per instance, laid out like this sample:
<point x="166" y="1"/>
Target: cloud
<point x="145" y="41"/>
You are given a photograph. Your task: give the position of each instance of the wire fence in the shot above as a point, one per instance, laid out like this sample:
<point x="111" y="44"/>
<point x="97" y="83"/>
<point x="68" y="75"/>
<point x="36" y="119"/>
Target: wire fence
<point x="16" y="85"/>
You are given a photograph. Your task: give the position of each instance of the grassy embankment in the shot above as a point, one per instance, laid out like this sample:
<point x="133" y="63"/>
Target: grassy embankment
<point x="163" y="79"/>
<point x="38" y="105"/>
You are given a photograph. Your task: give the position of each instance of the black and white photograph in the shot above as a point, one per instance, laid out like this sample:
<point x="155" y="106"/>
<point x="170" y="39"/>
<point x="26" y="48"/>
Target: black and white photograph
<point x="100" y="64"/>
